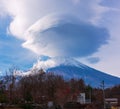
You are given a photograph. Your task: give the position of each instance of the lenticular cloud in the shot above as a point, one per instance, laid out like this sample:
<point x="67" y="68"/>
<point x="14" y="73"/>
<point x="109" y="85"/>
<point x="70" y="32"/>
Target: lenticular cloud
<point x="57" y="27"/>
<point x="64" y="36"/>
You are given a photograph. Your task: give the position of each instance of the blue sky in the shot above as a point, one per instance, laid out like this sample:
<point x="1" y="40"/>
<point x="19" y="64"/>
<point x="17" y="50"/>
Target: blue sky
<point x="87" y="30"/>
<point x="11" y="51"/>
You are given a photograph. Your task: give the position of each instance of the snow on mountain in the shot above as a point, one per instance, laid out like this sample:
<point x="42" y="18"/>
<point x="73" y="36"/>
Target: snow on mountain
<point x="71" y="68"/>
<point x="57" y="61"/>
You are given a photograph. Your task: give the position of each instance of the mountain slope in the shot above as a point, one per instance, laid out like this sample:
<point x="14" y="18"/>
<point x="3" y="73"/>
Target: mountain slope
<point x="70" y="68"/>
<point x="89" y="75"/>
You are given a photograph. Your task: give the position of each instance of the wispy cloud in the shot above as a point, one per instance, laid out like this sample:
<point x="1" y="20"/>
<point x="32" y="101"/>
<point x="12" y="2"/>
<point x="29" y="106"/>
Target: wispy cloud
<point x="93" y="60"/>
<point x="64" y="33"/>
<point x="64" y="36"/>
<point x="11" y="53"/>
<point x="101" y="18"/>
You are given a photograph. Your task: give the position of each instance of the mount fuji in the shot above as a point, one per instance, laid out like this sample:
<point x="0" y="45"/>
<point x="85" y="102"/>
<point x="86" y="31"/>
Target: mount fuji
<point x="71" y="68"/>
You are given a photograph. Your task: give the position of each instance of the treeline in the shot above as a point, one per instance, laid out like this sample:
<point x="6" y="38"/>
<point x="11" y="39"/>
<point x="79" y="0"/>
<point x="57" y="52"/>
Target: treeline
<point x="43" y="87"/>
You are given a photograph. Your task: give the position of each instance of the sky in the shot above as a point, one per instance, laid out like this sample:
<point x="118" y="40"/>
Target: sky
<point x="87" y="30"/>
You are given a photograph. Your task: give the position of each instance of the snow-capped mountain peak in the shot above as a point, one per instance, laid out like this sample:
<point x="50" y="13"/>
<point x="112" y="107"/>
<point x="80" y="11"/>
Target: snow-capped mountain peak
<point x="57" y="61"/>
<point x="71" y="68"/>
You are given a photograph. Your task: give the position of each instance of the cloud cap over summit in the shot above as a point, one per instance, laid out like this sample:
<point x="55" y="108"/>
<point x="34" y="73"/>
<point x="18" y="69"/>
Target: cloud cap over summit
<point x="64" y="36"/>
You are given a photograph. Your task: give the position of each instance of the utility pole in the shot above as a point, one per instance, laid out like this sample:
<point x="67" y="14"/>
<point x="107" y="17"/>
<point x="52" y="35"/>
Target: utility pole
<point x="90" y="93"/>
<point x="103" y="89"/>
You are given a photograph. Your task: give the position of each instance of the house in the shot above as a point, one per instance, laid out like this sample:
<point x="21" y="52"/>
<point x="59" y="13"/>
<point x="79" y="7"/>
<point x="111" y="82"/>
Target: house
<point x="111" y="103"/>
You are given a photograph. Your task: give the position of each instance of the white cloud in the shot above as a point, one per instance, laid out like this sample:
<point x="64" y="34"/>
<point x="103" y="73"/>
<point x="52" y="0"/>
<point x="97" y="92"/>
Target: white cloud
<point x="63" y="35"/>
<point x="27" y="13"/>
<point x="109" y="54"/>
<point x="54" y="62"/>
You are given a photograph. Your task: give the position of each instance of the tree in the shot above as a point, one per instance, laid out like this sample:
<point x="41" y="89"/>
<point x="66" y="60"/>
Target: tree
<point x="11" y="82"/>
<point x="3" y="97"/>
